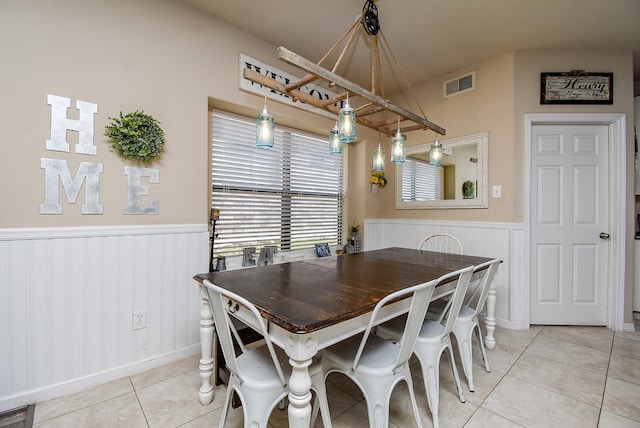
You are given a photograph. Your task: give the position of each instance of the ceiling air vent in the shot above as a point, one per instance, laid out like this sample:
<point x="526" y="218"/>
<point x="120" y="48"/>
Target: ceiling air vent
<point x="460" y="84"/>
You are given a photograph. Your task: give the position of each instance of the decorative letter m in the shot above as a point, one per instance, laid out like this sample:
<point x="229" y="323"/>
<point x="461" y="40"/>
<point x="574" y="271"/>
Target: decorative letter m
<point x="54" y="168"/>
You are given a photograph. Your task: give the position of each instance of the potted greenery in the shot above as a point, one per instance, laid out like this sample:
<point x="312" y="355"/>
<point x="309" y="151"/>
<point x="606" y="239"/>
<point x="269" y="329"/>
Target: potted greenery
<point x="468" y="190"/>
<point x="136" y="136"/>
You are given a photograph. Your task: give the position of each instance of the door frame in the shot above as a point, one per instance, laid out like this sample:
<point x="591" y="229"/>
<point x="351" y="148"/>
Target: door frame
<point x="616" y="123"/>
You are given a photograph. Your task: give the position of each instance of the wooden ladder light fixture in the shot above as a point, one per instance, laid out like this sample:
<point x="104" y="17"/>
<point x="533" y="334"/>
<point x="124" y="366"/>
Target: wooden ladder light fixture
<point x="371" y="102"/>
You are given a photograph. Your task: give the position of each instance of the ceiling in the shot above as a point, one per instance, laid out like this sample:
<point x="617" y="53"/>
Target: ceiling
<point x="431" y="38"/>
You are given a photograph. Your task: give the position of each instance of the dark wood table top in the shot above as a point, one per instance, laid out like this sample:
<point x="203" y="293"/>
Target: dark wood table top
<point x="308" y="295"/>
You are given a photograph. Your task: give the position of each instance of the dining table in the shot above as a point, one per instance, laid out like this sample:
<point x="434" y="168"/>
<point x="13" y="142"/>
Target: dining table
<point x="314" y="303"/>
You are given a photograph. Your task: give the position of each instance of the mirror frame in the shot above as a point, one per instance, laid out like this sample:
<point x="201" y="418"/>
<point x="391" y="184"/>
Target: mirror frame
<point x="482" y="199"/>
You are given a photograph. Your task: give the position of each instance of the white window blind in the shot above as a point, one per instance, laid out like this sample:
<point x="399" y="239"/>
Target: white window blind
<point x="290" y="196"/>
<point x="420" y="181"/>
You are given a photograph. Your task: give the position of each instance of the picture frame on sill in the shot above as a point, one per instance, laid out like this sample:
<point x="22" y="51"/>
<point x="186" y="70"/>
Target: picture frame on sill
<point x="576" y="87"/>
<point x="323" y="250"/>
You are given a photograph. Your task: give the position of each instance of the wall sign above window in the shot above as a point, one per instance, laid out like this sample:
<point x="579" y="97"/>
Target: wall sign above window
<point x="576" y="87"/>
<point x="246" y="85"/>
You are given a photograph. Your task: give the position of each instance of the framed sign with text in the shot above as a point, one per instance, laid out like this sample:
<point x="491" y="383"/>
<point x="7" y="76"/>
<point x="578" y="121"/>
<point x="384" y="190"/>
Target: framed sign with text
<point x="576" y="87"/>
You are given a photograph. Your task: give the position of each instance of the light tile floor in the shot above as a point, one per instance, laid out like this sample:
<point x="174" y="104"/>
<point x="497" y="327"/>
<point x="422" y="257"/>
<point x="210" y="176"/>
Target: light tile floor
<point x="542" y="377"/>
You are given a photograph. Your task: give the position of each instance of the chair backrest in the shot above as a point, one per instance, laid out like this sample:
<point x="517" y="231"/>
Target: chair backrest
<point x="442" y="242"/>
<point x="421" y="296"/>
<point x="452" y="309"/>
<point x="223" y="302"/>
<point x="477" y="298"/>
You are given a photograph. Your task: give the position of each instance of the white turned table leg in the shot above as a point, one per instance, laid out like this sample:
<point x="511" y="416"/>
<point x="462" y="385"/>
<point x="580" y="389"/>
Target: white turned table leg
<point x="299" y="394"/>
<point x="207" y="331"/>
<point x="490" y="320"/>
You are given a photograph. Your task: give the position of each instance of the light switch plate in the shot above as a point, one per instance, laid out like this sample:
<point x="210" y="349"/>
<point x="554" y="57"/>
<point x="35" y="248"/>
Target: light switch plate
<point x="497" y="191"/>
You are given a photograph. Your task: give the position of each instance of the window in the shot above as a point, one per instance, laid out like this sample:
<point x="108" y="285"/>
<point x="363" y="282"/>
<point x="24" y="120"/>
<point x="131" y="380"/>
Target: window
<point x="290" y="196"/>
<point x="421" y="181"/>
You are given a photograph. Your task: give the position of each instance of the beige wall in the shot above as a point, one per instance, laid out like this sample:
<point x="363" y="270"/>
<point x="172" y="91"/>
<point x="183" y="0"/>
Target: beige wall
<point x="110" y="55"/>
<point x="489" y="108"/>
<point x="508" y="87"/>
<point x="162" y="57"/>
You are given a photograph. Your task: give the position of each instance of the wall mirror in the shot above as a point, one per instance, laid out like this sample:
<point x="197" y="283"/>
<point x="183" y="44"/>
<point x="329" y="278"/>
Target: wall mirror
<point x="461" y="182"/>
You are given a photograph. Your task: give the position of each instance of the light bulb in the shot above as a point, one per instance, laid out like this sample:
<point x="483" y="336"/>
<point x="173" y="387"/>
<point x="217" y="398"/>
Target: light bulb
<point x="398" y="148"/>
<point x="265" y="129"/>
<point x="378" y="159"/>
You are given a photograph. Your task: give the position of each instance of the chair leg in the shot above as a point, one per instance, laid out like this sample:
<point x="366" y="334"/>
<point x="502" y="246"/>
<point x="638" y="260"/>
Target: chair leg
<point x="429" y="361"/>
<point x="377" y="393"/>
<point x="464" y="337"/>
<point x="259" y="415"/>
<point x="414" y="403"/>
<point x="225" y="410"/>
<point x="452" y="363"/>
<point x="482" y="349"/>
<point x="320" y="403"/>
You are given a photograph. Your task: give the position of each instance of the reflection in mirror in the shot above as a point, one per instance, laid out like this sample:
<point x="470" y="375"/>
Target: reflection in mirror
<point x="461" y="182"/>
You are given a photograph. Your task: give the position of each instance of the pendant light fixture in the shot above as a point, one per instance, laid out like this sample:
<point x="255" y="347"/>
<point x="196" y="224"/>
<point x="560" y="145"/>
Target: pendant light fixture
<point x="347" y="123"/>
<point x="398" y="146"/>
<point x="335" y="145"/>
<point x="371" y="105"/>
<point x="436" y="155"/>
<point x="378" y="159"/>
<point x="265" y="128"/>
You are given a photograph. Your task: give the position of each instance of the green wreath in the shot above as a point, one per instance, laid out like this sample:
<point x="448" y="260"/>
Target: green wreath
<point x="136" y="136"/>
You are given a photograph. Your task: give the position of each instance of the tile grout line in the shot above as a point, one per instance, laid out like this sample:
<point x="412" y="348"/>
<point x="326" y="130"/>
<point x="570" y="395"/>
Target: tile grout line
<point x="606" y="378"/>
<point x="135" y="391"/>
<point x="502" y="379"/>
<point x="606" y="375"/>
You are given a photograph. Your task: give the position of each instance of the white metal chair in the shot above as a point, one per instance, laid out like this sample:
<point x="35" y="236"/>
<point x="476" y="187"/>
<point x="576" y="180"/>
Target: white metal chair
<point x="258" y="375"/>
<point x="377" y="365"/>
<point x="442" y="242"/>
<point x="467" y="321"/>
<point x="433" y="339"/>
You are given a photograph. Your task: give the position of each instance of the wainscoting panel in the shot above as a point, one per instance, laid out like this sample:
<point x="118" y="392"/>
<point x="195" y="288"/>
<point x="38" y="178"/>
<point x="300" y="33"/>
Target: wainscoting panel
<point x="67" y="298"/>
<point x="482" y="239"/>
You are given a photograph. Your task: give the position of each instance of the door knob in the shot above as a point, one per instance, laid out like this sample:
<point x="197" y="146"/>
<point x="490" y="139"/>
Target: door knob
<point x="604" y="235"/>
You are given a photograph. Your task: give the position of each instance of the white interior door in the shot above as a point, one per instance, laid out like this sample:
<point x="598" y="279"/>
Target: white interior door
<point x="569" y="224"/>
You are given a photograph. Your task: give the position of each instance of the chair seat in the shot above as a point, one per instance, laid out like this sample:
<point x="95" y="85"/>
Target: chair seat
<point x="437" y="307"/>
<point x="465" y="311"/>
<point x="256" y="366"/>
<point x="377" y="355"/>
<point x="429" y="330"/>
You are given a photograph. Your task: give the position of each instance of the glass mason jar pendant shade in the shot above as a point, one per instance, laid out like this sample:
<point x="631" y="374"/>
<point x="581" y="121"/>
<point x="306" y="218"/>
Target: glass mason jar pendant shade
<point x="435" y="156"/>
<point x="335" y="145"/>
<point x="378" y="159"/>
<point x="347" y="124"/>
<point x="265" y="129"/>
<point x="398" y="148"/>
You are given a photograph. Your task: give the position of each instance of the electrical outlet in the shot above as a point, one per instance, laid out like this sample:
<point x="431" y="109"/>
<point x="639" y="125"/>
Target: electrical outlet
<point x="139" y="320"/>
